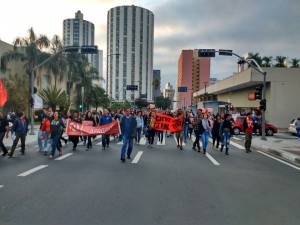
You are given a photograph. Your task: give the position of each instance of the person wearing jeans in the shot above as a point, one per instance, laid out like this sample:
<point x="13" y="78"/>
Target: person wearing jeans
<point x="105" y="119"/>
<point x="128" y="129"/>
<point x="20" y="129"/>
<point x="205" y="131"/>
<point x="140" y="126"/>
<point x="56" y="127"/>
<point x="225" y="132"/>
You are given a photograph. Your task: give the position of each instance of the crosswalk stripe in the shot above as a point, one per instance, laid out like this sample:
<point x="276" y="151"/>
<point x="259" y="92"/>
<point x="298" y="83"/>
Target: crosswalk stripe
<point x="32" y="171"/>
<point x="64" y="156"/>
<point x="183" y="144"/>
<point x="163" y="142"/>
<point x="137" y="157"/>
<point x="212" y="159"/>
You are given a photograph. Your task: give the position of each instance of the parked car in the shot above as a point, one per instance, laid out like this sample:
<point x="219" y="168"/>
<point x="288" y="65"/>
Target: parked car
<point x="238" y="127"/>
<point x="292" y="127"/>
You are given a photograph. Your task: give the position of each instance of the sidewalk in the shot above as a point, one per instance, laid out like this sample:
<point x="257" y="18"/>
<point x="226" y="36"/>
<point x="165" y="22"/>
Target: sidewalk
<point x="29" y="138"/>
<point x="282" y="145"/>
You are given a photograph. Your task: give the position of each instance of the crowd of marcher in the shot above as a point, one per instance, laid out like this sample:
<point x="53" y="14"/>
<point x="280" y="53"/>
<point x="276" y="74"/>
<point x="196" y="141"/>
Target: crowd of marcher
<point x="134" y="124"/>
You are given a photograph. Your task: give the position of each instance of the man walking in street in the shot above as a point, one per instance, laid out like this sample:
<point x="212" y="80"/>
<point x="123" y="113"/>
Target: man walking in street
<point x="248" y="128"/>
<point x="105" y="119"/>
<point x="19" y="129"/>
<point x="128" y="129"/>
<point x="196" y="122"/>
<point x="4" y="129"/>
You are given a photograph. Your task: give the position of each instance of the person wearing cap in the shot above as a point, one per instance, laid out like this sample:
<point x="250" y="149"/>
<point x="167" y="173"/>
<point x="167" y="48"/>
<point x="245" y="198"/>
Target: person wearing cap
<point x="248" y="129"/>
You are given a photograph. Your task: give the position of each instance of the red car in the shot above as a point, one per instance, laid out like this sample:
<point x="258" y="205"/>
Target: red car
<point x="238" y="127"/>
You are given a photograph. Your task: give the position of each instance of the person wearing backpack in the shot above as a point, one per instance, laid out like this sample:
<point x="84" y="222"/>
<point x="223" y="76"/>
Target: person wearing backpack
<point x="19" y="130"/>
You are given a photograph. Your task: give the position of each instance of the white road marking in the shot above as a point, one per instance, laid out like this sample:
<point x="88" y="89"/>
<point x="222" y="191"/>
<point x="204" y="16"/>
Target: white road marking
<point x="194" y="138"/>
<point x="32" y="171"/>
<point x="279" y="160"/>
<point x="1" y="186"/>
<point x="163" y="142"/>
<point x="143" y="141"/>
<point x="137" y="157"/>
<point x="235" y="138"/>
<point x="212" y="159"/>
<point x="64" y="156"/>
<point x="237" y="145"/>
<point x="183" y="144"/>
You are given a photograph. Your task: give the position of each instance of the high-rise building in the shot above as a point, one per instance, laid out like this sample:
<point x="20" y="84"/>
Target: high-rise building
<point x="156" y="83"/>
<point x="168" y="91"/>
<point x="78" y="32"/>
<point x="194" y="74"/>
<point x="130" y="34"/>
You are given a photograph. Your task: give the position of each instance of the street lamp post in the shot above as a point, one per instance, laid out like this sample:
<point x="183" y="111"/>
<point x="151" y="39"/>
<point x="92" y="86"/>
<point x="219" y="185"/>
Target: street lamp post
<point x="205" y="82"/>
<point x="211" y="53"/>
<point x="84" y="50"/>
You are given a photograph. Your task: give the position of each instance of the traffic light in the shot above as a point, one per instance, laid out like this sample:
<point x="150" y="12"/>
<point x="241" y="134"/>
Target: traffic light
<point x="231" y="107"/>
<point x="263" y="104"/>
<point x="258" y="92"/>
<point x="80" y="106"/>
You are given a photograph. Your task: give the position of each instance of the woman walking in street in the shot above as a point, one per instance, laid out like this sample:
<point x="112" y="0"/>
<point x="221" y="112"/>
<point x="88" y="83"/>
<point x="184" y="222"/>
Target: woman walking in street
<point x="150" y="130"/>
<point x="216" y="131"/>
<point x="89" y="117"/>
<point x="56" y="127"/>
<point x="204" y="131"/>
<point x="74" y="118"/>
<point x="139" y="127"/>
<point x="225" y="132"/>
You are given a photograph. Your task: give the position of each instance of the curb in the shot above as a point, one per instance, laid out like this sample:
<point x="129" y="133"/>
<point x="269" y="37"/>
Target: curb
<point x="288" y="157"/>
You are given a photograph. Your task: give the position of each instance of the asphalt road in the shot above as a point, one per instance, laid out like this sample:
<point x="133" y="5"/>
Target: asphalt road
<point x="165" y="186"/>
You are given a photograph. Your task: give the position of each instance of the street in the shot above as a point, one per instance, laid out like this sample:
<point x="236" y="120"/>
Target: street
<point x="158" y="186"/>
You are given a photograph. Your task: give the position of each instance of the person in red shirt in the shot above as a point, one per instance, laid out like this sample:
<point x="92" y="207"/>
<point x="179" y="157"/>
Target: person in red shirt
<point x="248" y="129"/>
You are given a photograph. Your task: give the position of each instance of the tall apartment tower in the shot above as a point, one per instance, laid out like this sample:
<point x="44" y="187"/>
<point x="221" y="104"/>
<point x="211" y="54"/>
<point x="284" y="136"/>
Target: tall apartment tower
<point x="193" y="73"/>
<point x="78" y="32"/>
<point x="130" y="34"/>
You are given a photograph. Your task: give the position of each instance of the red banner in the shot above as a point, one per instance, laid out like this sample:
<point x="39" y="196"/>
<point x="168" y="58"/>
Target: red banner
<point x="85" y="128"/>
<point x="3" y="94"/>
<point x="167" y="123"/>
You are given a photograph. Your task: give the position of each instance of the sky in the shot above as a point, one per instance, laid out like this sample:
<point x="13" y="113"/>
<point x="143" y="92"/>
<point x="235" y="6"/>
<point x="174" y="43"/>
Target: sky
<point x="267" y="27"/>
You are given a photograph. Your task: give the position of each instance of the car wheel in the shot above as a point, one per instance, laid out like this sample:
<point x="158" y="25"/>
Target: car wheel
<point x="270" y="132"/>
<point x="236" y="130"/>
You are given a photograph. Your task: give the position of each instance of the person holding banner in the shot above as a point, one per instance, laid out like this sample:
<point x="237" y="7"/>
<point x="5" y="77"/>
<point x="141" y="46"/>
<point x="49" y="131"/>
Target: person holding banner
<point x="150" y="129"/>
<point x="105" y="119"/>
<point x="4" y="130"/>
<point x="74" y="138"/>
<point x="90" y="117"/>
<point x="179" y="134"/>
<point x="128" y="130"/>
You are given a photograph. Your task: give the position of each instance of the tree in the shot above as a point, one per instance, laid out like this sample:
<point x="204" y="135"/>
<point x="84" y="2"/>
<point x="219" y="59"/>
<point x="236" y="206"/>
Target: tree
<point x="53" y="96"/>
<point x="141" y="103"/>
<point x="28" y="50"/>
<point x="162" y="102"/>
<point x="97" y="97"/>
<point x="17" y="97"/>
<point x="257" y="58"/>
<point x="59" y="62"/>
<point x="156" y="84"/>
<point x="267" y="61"/>
<point x="281" y="61"/>
<point x="295" y="63"/>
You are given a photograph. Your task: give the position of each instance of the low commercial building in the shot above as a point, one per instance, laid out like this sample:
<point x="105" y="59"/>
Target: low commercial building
<point x="283" y="89"/>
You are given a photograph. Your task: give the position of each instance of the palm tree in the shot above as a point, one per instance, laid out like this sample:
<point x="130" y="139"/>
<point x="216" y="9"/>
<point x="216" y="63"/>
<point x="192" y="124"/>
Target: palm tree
<point x="156" y="84"/>
<point x="17" y="100"/>
<point x="295" y="63"/>
<point x="53" y="96"/>
<point x="280" y="61"/>
<point x="267" y="61"/>
<point x="28" y="50"/>
<point x="59" y="62"/>
<point x="257" y="58"/>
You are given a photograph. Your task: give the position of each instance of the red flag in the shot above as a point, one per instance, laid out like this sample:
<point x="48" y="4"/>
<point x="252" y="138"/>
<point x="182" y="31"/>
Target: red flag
<point x="3" y="94"/>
